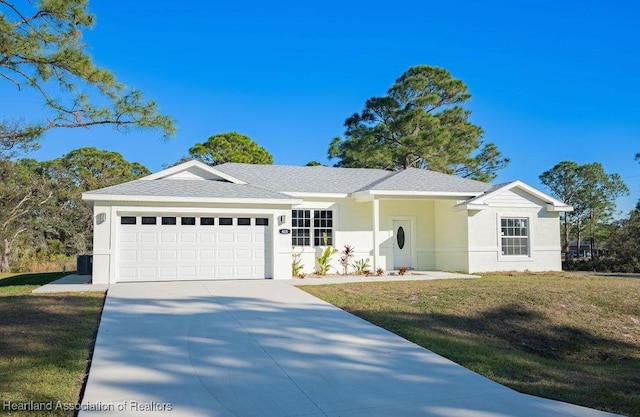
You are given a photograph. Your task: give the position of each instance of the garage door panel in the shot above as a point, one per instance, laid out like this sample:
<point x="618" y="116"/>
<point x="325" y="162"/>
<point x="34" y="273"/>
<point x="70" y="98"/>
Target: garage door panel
<point x="244" y="270"/>
<point x="244" y="237"/>
<point x="129" y="255"/>
<point x="128" y="237"/>
<point x="128" y="273"/>
<point x="146" y="237"/>
<point x="188" y="272"/>
<point x="168" y="237"/>
<point x="188" y="255"/>
<point x="168" y="272"/>
<point x="206" y="271"/>
<point x="225" y="254"/>
<point x="226" y="237"/>
<point x="188" y="237"/>
<point x="243" y="254"/>
<point x="206" y="255"/>
<point x="223" y="270"/>
<point x="207" y="237"/>
<point x="149" y="252"/>
<point x="168" y="255"/>
<point x="147" y="273"/>
<point x="148" y="255"/>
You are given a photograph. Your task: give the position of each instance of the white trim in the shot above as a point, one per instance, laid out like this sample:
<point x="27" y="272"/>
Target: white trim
<point x="551" y="207"/>
<point x="376" y="231"/>
<point x="175" y="199"/>
<point x="113" y="246"/>
<point x="401" y="193"/>
<point x="197" y="211"/>
<point x="471" y="207"/>
<point x="192" y="164"/>
<point x="316" y="195"/>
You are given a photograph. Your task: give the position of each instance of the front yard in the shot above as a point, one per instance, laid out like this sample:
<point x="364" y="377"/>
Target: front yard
<point x="45" y="342"/>
<point x="565" y="337"/>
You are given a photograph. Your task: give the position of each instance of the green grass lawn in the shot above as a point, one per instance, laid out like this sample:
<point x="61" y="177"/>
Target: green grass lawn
<point x="45" y="341"/>
<point x="565" y="337"/>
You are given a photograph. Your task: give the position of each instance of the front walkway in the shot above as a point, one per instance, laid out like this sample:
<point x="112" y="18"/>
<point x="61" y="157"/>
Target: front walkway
<point x="71" y="283"/>
<point x="266" y="348"/>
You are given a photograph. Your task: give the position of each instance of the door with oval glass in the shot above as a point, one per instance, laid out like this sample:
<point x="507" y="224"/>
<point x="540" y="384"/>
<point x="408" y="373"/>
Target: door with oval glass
<point x="401" y="243"/>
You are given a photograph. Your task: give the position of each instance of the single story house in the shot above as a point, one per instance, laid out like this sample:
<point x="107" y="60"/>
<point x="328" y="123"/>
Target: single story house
<point x="242" y="221"/>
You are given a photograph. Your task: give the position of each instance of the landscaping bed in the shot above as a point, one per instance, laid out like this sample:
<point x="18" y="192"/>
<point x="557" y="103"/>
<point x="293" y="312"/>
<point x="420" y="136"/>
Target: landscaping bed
<point x="45" y="343"/>
<point x="559" y="336"/>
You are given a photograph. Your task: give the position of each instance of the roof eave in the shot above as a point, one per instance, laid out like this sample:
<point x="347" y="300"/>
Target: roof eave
<point x="316" y="195"/>
<point x="90" y="198"/>
<point x="560" y="208"/>
<point x="471" y="207"/>
<point x="369" y="194"/>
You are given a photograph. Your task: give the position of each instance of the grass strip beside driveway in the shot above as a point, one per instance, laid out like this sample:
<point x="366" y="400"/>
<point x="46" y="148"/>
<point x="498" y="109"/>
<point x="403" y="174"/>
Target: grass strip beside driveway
<point x="45" y="342"/>
<point x="564" y="337"/>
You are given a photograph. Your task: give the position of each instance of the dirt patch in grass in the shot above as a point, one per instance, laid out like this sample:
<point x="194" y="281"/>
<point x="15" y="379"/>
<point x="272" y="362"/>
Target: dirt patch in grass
<point x="45" y="343"/>
<point x="566" y="337"/>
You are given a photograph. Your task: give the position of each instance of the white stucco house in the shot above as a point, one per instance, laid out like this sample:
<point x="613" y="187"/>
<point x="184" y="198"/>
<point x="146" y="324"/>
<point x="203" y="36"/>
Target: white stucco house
<point x="242" y="221"/>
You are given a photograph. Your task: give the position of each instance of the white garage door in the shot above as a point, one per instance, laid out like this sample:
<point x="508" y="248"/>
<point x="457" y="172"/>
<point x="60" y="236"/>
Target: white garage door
<point x="175" y="247"/>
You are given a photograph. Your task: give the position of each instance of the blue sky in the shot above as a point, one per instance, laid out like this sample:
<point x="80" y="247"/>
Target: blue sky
<point x="550" y="80"/>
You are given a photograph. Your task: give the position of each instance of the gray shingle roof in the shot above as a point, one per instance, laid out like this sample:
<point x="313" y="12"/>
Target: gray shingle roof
<point x="420" y="180"/>
<point x="320" y="179"/>
<point x="188" y="189"/>
<point x="271" y="181"/>
<point x="304" y="179"/>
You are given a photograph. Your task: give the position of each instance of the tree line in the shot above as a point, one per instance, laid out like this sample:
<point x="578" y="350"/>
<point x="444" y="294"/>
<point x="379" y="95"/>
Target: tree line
<point x="592" y="193"/>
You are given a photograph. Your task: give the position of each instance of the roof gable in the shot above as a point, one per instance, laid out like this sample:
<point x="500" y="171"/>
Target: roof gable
<point x="193" y="170"/>
<point x="504" y="194"/>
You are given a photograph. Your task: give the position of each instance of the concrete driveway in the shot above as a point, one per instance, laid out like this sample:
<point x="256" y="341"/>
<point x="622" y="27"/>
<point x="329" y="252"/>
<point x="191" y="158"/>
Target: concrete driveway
<point x="265" y="348"/>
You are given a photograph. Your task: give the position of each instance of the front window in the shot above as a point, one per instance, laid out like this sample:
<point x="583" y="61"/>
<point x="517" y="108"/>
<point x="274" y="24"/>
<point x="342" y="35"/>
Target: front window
<point x="301" y="227"/>
<point x="308" y="223"/>
<point x="322" y="228"/>
<point x="515" y="236"/>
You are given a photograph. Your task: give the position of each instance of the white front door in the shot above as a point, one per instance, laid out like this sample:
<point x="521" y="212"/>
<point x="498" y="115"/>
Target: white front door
<point x="401" y="244"/>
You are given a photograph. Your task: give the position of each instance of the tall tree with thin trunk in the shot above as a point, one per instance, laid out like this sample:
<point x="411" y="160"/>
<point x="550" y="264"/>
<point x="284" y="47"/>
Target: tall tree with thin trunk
<point x="599" y="193"/>
<point x="565" y="183"/>
<point x="421" y="123"/>
<point x="41" y="50"/>
<point x="23" y="194"/>
<point x="592" y="193"/>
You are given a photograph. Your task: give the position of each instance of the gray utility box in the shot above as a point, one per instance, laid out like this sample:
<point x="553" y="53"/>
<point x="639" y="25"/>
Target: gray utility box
<point x="84" y="265"/>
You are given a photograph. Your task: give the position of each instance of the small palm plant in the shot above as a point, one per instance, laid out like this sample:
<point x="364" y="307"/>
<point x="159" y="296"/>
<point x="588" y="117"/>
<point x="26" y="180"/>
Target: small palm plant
<point x="361" y="266"/>
<point x="325" y="258"/>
